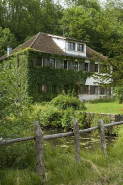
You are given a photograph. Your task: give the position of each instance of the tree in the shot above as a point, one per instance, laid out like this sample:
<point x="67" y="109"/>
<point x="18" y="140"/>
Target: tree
<point x="2" y="13"/>
<point x="26" y="18"/>
<point x="51" y="14"/>
<point x="111" y="69"/>
<point x="6" y="38"/>
<point x="85" y="3"/>
<point x="93" y="24"/>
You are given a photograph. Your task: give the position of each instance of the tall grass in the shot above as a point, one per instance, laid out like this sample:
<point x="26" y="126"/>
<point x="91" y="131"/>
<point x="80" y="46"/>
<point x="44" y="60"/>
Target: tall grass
<point x="19" y="177"/>
<point x="61" y="167"/>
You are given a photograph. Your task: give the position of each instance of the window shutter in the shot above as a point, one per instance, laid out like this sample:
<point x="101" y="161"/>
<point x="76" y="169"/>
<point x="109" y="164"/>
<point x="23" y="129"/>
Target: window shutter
<point x="82" y="66"/>
<point x="91" y="89"/>
<point x="92" y="67"/>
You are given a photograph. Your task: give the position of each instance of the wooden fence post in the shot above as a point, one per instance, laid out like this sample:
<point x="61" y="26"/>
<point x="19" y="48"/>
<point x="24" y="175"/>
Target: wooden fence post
<point x="76" y="136"/>
<point x="102" y="136"/>
<point x="39" y="149"/>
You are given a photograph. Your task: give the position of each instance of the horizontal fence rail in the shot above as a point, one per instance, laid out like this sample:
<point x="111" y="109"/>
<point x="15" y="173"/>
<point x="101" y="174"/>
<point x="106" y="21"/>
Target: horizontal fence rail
<point x="55" y="136"/>
<point x="39" y="139"/>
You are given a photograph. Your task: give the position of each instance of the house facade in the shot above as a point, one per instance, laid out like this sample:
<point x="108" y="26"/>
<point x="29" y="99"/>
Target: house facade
<point x="50" y="64"/>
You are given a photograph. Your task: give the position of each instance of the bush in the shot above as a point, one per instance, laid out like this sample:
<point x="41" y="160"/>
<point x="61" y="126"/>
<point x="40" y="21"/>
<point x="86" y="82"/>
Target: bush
<point x="50" y="116"/>
<point x="64" y="101"/>
<point x="67" y="120"/>
<point x="119" y="94"/>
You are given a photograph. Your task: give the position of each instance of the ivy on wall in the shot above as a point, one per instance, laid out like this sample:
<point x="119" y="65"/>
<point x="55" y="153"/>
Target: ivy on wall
<point x="32" y="78"/>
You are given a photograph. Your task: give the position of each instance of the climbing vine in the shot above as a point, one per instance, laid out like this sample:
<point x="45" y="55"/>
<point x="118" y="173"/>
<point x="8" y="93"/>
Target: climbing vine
<point x="32" y="78"/>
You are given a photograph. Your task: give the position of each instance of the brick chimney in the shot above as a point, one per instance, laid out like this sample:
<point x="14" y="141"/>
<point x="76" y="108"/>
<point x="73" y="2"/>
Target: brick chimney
<point x="9" y="50"/>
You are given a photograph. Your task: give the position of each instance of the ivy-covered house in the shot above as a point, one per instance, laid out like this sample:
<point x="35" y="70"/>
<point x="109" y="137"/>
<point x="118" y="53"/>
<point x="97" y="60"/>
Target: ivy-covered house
<point x="47" y="64"/>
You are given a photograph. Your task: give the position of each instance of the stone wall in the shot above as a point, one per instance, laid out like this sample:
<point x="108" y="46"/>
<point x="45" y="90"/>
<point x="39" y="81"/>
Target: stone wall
<point x="113" y="117"/>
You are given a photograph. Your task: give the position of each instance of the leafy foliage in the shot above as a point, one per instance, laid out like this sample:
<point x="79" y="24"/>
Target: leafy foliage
<point x="6" y="38"/>
<point x="64" y="101"/>
<point x="15" y="117"/>
<point x="32" y="78"/>
<point x="67" y="119"/>
<point x="119" y="93"/>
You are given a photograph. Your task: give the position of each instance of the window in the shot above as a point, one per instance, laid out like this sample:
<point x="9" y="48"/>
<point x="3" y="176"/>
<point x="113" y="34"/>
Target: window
<point x="84" y="89"/>
<point x="96" y="67"/>
<point x="71" y="45"/>
<point x="86" y="66"/>
<point x="95" y="90"/>
<point x="39" y="61"/>
<point x="52" y="62"/>
<point x="76" y="66"/>
<point x="65" y="64"/>
<point x="105" y="90"/>
<point x="80" y="47"/>
<point x="101" y="90"/>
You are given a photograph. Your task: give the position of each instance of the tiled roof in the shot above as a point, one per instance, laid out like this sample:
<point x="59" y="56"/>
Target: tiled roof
<point x="44" y="43"/>
<point x="41" y="42"/>
<point x="90" y="53"/>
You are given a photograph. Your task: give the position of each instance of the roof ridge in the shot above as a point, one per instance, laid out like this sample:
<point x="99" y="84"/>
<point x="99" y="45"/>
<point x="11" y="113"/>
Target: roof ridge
<point x="35" y="39"/>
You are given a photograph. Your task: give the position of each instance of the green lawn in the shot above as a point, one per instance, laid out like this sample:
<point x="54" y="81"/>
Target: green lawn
<point x="108" y="107"/>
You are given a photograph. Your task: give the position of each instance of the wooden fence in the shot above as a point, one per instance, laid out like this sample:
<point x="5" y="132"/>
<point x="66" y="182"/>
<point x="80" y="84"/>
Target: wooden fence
<point x="39" y="138"/>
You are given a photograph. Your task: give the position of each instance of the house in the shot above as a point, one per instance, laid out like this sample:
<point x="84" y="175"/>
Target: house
<point x="48" y="64"/>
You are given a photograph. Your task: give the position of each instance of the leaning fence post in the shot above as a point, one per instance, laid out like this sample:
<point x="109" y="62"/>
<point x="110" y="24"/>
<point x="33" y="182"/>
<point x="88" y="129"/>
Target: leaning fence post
<point x="39" y="149"/>
<point x="76" y="136"/>
<point x="102" y="136"/>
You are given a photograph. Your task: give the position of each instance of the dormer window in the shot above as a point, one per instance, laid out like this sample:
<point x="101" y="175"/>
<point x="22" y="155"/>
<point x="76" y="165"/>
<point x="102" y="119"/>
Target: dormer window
<point x="71" y="46"/>
<point x="80" y="47"/>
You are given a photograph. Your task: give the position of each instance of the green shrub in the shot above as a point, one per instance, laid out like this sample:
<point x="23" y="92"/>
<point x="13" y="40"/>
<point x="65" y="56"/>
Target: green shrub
<point x="64" y="101"/>
<point x="48" y="115"/>
<point x="119" y="94"/>
<point x="67" y="119"/>
<point x="17" y="124"/>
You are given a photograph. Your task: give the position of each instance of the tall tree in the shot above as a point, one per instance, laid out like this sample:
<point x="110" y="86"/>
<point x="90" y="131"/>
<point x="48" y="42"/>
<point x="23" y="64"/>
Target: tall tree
<point x="6" y="38"/>
<point x="2" y="14"/>
<point x="95" y="25"/>
<point x="27" y="17"/>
